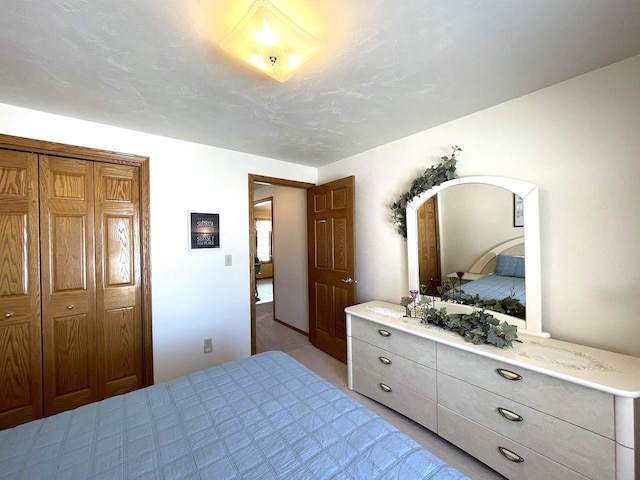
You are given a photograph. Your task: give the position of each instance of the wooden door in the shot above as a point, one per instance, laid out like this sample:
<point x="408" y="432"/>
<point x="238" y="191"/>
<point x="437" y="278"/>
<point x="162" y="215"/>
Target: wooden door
<point x="20" y="340"/>
<point x="332" y="263"/>
<point x="68" y="283"/>
<point x="118" y="311"/>
<point x="429" y="245"/>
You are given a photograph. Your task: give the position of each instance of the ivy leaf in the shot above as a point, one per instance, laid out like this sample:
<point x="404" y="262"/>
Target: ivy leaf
<point x="431" y="177"/>
<point x="404" y="301"/>
<point x="494" y="337"/>
<point x="454" y="321"/>
<point x="475" y="339"/>
<point x="510" y="332"/>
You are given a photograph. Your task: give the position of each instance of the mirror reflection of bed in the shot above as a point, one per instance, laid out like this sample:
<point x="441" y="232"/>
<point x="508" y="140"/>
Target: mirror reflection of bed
<point x="497" y="274"/>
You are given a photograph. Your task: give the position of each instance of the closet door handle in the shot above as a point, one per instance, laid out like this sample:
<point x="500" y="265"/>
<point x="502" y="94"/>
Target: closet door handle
<point x="508" y="374"/>
<point x="385" y="360"/>
<point x="509" y="415"/>
<point x="8" y="315"/>
<point x="69" y="307"/>
<point x="385" y="388"/>
<point x="384" y="333"/>
<point x="511" y="456"/>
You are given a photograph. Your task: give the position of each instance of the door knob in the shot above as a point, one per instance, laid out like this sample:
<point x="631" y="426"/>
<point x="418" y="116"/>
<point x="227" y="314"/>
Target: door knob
<point x="8" y="315"/>
<point x="69" y="307"/>
<point x="348" y="280"/>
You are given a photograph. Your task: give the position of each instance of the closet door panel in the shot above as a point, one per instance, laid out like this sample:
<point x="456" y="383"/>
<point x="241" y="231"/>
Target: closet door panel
<point x="20" y="321"/>
<point x="68" y="253"/>
<point x="118" y="278"/>
<point x="68" y="283"/>
<point x="71" y="355"/>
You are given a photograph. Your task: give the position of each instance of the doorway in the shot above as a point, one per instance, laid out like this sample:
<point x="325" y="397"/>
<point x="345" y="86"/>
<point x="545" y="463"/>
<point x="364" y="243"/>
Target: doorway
<point x="321" y="275"/>
<point x="263" y="240"/>
<point x="287" y="247"/>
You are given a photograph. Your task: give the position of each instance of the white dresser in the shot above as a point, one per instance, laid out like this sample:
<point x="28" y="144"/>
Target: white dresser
<point x="540" y="409"/>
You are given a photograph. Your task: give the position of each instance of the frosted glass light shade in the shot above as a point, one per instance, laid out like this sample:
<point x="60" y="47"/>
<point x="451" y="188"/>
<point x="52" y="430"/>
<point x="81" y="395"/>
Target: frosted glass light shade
<point x="271" y="42"/>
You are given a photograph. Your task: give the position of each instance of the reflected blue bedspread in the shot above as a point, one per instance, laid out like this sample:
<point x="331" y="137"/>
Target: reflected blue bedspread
<point x="496" y="287"/>
<point x="265" y="417"/>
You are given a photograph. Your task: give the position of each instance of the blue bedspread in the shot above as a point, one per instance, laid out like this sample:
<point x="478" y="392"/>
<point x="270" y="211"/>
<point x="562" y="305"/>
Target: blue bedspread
<point x="496" y="287"/>
<point x="265" y="417"/>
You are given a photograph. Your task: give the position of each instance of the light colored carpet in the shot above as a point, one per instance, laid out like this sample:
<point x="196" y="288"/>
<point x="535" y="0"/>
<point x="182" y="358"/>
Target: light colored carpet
<point x="271" y="335"/>
<point x="335" y="372"/>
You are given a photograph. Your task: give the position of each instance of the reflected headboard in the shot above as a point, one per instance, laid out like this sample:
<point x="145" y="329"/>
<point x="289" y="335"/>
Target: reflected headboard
<point x="487" y="262"/>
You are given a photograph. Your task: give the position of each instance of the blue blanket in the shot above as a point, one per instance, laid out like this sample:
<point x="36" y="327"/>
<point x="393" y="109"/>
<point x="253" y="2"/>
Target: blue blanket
<point x="265" y="417"/>
<point x="496" y="287"/>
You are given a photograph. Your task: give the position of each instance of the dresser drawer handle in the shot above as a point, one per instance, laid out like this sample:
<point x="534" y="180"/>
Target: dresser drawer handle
<point x="8" y="315"/>
<point x="509" y="415"/>
<point x="385" y="388"/>
<point x="385" y="360"/>
<point x="511" y="456"/>
<point x="384" y="333"/>
<point x="508" y="374"/>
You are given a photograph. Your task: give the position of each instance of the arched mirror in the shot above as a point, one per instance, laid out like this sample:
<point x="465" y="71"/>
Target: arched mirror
<point x="475" y="219"/>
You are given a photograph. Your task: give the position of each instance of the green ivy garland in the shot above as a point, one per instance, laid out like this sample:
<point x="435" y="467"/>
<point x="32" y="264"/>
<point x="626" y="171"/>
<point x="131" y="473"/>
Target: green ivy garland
<point x="432" y="177"/>
<point x="477" y="327"/>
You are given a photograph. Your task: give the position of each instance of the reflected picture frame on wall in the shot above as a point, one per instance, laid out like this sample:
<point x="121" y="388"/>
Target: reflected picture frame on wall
<point x="204" y="230"/>
<point x="518" y="211"/>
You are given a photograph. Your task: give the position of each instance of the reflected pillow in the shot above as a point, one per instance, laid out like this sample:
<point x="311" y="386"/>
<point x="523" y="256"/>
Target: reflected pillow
<point x="508" y="266"/>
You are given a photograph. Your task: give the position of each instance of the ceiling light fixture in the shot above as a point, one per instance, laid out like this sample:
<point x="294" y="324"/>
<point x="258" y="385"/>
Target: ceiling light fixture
<point x="270" y="41"/>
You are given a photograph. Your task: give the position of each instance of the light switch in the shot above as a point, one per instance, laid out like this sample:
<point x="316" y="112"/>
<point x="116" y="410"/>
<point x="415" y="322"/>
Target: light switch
<point x="227" y="260"/>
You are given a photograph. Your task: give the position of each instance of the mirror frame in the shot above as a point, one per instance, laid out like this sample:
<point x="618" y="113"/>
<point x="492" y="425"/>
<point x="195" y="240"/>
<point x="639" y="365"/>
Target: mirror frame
<point x="529" y="194"/>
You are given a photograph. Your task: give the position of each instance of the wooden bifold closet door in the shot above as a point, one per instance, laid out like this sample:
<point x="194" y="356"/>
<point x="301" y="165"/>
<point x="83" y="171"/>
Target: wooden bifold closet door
<point x="68" y="283"/>
<point x="92" y="331"/>
<point x="73" y="289"/>
<point x="20" y="325"/>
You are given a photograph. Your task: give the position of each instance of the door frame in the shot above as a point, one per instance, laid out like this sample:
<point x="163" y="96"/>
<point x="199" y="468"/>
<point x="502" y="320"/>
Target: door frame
<point x="252" y="248"/>
<point x="105" y="156"/>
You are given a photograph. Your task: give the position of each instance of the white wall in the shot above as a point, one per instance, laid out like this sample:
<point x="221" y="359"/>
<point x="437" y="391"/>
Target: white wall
<point x="579" y="142"/>
<point x="194" y="295"/>
<point x="473" y="218"/>
<point x="291" y="294"/>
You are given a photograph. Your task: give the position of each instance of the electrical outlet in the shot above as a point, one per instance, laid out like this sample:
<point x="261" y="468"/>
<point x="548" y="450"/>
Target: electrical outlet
<point x="227" y="260"/>
<point x="208" y="345"/>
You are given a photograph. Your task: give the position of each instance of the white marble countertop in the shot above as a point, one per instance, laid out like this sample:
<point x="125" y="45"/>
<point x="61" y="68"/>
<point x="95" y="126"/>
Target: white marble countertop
<point x="599" y="369"/>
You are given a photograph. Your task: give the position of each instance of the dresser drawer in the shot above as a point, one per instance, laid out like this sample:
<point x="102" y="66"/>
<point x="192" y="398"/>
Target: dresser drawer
<point x="582" y="406"/>
<point x="415" y="348"/>
<point x="396" y="396"/>
<point x="417" y="377"/>
<point x="581" y="450"/>
<point x="485" y="445"/>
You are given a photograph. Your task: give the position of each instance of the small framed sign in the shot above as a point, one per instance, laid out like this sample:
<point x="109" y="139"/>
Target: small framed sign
<point x="204" y="230"/>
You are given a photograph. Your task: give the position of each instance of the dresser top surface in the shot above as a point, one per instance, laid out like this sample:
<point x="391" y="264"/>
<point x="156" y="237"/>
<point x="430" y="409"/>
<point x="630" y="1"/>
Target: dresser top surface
<point x="599" y="369"/>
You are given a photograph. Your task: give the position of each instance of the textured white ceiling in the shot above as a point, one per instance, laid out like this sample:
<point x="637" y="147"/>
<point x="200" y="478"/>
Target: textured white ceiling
<point x="392" y="67"/>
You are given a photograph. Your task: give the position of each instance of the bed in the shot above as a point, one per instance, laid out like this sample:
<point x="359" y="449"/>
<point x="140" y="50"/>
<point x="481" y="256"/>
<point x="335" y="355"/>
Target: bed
<point x="264" y="417"/>
<point x="496" y="287"/>
<point x="498" y="273"/>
